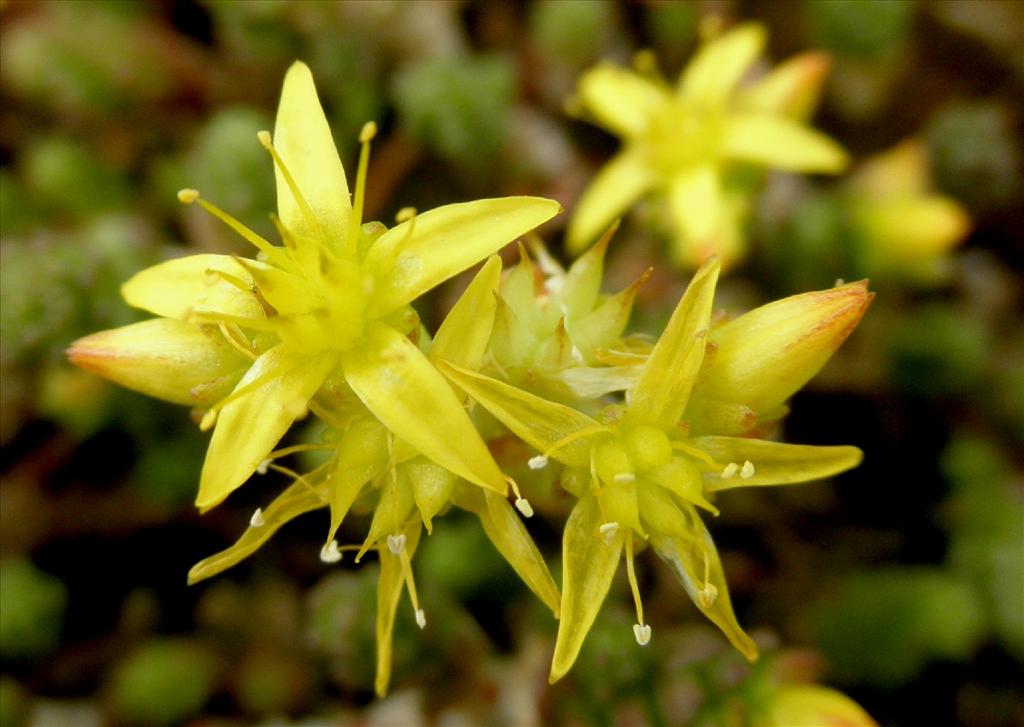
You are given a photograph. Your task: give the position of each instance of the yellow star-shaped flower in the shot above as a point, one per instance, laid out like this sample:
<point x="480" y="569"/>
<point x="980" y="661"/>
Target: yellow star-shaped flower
<point x="681" y="142"/>
<point x="640" y="471"/>
<point x="330" y="306"/>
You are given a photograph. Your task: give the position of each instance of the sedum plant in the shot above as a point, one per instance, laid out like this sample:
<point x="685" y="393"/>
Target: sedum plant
<point x="322" y="323"/>
<point x="690" y="142"/>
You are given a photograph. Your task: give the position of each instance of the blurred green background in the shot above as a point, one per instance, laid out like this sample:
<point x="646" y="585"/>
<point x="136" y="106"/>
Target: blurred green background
<point x="900" y="583"/>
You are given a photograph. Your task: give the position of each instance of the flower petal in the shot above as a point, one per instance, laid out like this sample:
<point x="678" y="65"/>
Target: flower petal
<point x="389" y="591"/>
<point x="806" y="705"/>
<point x="303" y="139"/>
<point x="431" y="487"/>
<point x="716" y="69"/>
<point x="765" y="356"/>
<point x="178" y="287"/>
<point x="171" y="360"/>
<point x="589" y="560"/>
<point x="415" y="256"/>
<point x="620" y="100"/>
<point x="506" y="531"/>
<point x="539" y="422"/>
<point x="248" y="427"/>
<point x="695" y="201"/>
<point x="663" y="390"/>
<point x="781" y="144"/>
<point x="466" y="330"/>
<point x="689" y="556"/>
<point x="792" y="88"/>
<point x="362" y="454"/>
<point x="296" y="500"/>
<point x="614" y="188"/>
<point x="774" y="463"/>
<point x="400" y="386"/>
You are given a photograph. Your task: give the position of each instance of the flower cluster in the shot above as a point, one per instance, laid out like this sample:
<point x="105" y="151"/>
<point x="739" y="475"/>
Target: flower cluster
<point x="641" y="434"/>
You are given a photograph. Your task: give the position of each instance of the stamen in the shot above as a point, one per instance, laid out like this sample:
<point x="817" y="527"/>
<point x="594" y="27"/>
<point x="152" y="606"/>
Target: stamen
<point x="570" y="438"/>
<point x="307" y="211"/>
<point x="296" y="448"/>
<point x="330" y="552"/>
<point x="188" y="196"/>
<point x="695" y="453"/>
<point x="257" y="520"/>
<point x="365" y="137"/>
<point x="522" y="504"/>
<point x="396" y="543"/>
<point x="608" y="531"/>
<point x="410" y="584"/>
<point x="261" y="469"/>
<point x="537" y="463"/>
<point x="295" y="475"/>
<point x="730" y="470"/>
<point x="405" y="214"/>
<point x="624" y="478"/>
<point x="234" y="336"/>
<point x="212" y="276"/>
<point x="641" y="631"/>
<point x="258" y="324"/>
<point x="748" y="470"/>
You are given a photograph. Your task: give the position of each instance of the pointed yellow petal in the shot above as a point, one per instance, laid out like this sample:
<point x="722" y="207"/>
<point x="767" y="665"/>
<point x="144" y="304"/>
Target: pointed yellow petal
<point x="415" y="256"/>
<point x="763" y="357"/>
<point x="602" y="327"/>
<point x="164" y="358"/>
<point x="695" y="200"/>
<point x="792" y="88"/>
<point x="690" y="557"/>
<point x="779" y="143"/>
<point x="582" y="283"/>
<point x="540" y="423"/>
<point x="175" y="288"/>
<point x="248" y="427"/>
<point x="506" y="531"/>
<point x="620" y="100"/>
<point x="805" y="705"/>
<point x="661" y="394"/>
<point x="588" y="382"/>
<point x="614" y="188"/>
<point x="291" y="503"/>
<point x="431" y="486"/>
<point x="389" y="591"/>
<point x="303" y="139"/>
<point x="362" y="455"/>
<point x="712" y="75"/>
<point x="589" y="560"/>
<point x="904" y="232"/>
<point x="400" y="386"/>
<point x="463" y="336"/>
<point x="393" y="509"/>
<point x="774" y="463"/>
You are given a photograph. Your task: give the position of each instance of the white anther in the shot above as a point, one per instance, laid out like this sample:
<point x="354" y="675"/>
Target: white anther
<point x="642" y="632"/>
<point x="264" y="137"/>
<point x="707" y="595"/>
<point x="188" y="196"/>
<point x="368" y="131"/>
<point x="537" y="463"/>
<point x="330" y="553"/>
<point x="396" y="543"/>
<point x="840" y="281"/>
<point x="624" y="478"/>
<point x="421" y="618"/>
<point x="261" y="468"/>
<point x="554" y="284"/>
<point x="257" y="520"/>
<point x="577" y="355"/>
<point x="730" y="470"/>
<point x="608" y="530"/>
<point x="523" y="505"/>
<point x="748" y="470"/>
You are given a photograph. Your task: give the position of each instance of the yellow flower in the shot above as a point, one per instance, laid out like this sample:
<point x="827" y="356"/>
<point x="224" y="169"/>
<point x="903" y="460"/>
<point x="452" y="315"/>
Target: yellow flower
<point x="682" y="142"/>
<point x="639" y="472"/>
<point x="329" y="308"/>
<point x="904" y="229"/>
<point x="411" y="490"/>
<point x="811" y="706"/>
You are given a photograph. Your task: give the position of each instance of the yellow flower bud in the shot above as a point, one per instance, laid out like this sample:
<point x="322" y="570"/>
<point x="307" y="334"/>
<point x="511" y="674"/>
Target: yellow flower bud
<point x="762" y="358"/>
<point x="810" y="706"/>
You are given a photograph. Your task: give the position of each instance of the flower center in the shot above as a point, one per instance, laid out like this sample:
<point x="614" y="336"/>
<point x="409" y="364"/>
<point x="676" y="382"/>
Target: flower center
<point x="683" y="136"/>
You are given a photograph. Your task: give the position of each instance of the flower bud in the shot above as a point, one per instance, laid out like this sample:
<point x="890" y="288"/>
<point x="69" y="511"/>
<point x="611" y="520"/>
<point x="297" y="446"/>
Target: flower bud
<point x="762" y="358"/>
<point x="810" y="706"/>
<point x="169" y="359"/>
